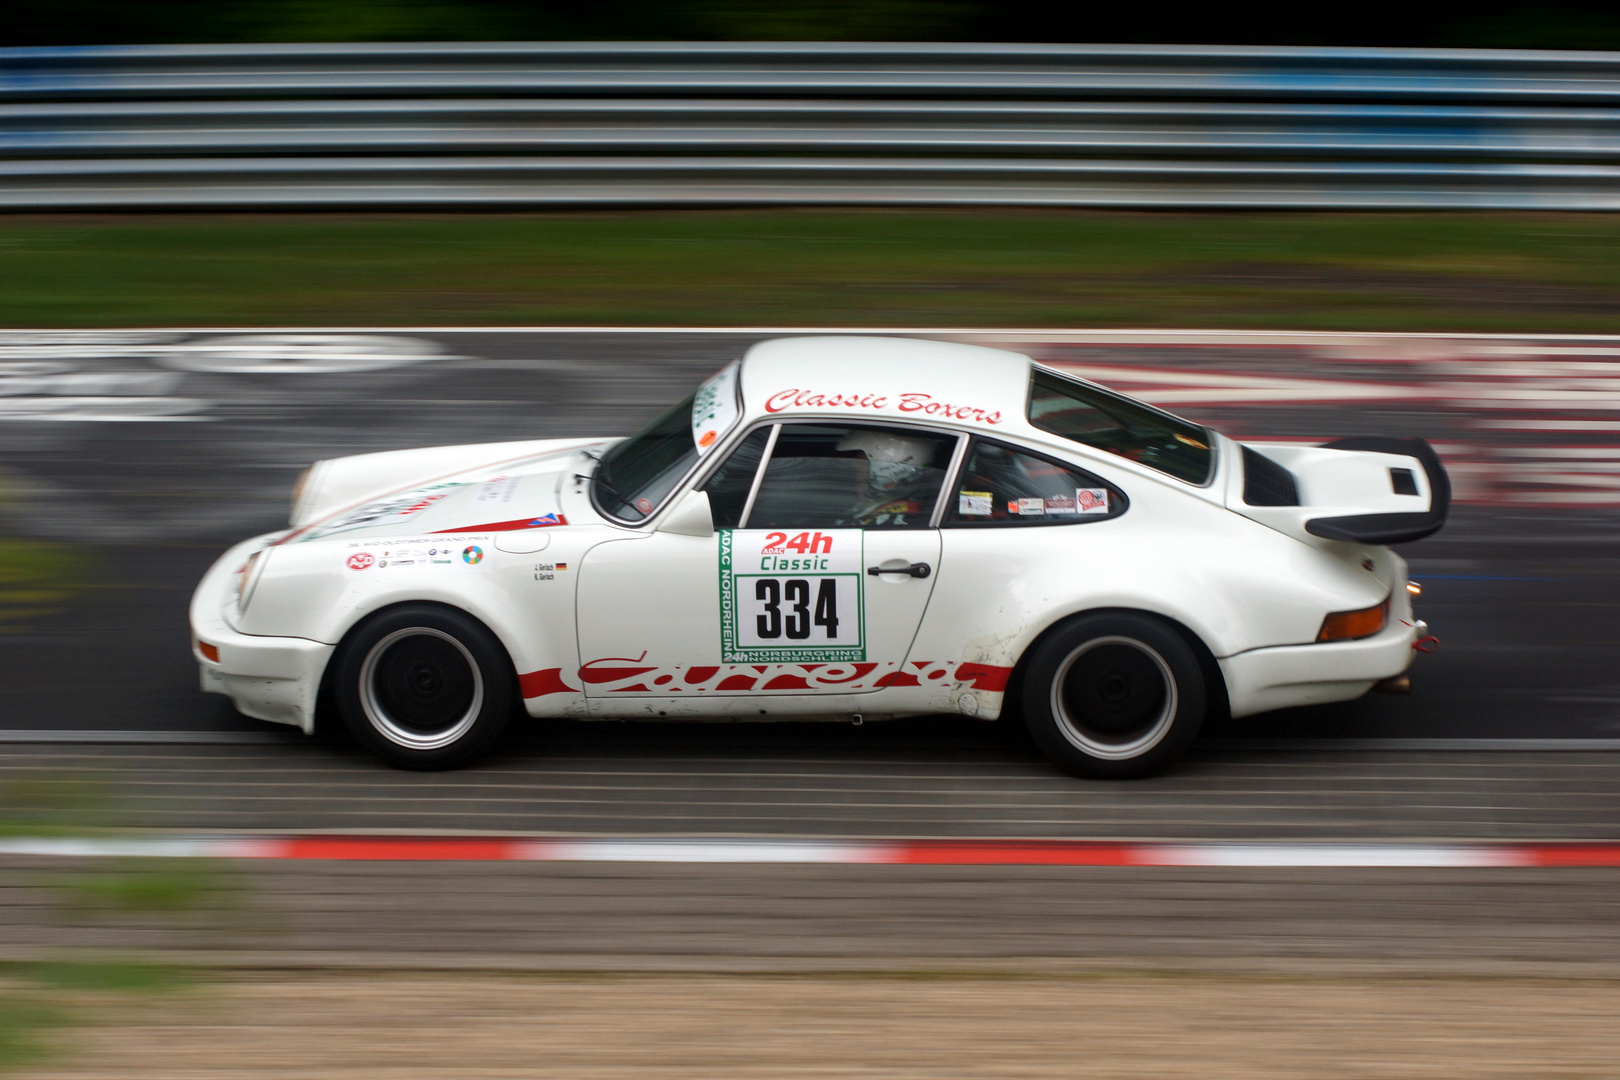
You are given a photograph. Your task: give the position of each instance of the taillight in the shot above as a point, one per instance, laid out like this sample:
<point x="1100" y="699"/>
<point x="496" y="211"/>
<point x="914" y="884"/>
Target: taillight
<point x="1348" y="625"/>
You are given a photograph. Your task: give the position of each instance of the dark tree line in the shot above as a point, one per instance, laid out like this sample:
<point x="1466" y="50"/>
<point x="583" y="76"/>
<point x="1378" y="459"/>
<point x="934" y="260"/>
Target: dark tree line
<point x="1577" y="24"/>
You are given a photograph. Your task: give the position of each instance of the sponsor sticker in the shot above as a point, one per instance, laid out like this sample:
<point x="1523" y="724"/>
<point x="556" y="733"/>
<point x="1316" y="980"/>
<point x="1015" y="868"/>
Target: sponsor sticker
<point x="1091" y="500"/>
<point x="1060" y="504"/>
<point x="975" y="503"/>
<point x="792" y="595"/>
<point x="714" y="409"/>
<point x="428" y="553"/>
<point x="1030" y="507"/>
<point x="644" y="505"/>
<point x="496" y="492"/>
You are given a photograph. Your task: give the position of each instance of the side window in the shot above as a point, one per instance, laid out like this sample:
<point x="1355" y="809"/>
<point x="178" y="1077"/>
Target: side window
<point x="728" y="487"/>
<point x="852" y="476"/>
<point x="1002" y="486"/>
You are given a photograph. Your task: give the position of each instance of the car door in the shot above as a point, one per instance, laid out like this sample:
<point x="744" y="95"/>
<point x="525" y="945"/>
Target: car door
<point x="815" y="581"/>
<point x="1011" y="516"/>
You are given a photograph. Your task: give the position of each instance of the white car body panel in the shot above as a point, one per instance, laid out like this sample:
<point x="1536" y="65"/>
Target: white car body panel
<point x="346" y="483"/>
<point x="607" y="619"/>
<point x="651" y="612"/>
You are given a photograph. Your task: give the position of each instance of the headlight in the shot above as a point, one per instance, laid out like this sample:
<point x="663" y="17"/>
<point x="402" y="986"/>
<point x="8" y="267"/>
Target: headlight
<point x="248" y="577"/>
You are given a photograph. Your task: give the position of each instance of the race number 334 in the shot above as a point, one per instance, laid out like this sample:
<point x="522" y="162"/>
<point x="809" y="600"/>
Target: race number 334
<point x="789" y="595"/>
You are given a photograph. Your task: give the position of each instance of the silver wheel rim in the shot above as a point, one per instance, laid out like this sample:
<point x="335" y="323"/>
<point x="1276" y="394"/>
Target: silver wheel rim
<point x="388" y="726"/>
<point x="1076" y="733"/>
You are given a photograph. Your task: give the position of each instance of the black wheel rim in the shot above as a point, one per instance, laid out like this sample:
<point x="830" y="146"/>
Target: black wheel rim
<point x="1114" y="697"/>
<point x="420" y="688"/>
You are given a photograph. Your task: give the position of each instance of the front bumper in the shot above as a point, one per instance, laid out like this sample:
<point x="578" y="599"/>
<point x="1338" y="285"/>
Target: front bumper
<point x="267" y="678"/>
<point x="1280" y="678"/>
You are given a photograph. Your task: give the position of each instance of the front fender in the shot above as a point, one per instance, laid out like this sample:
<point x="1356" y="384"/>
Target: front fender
<point x="310" y="591"/>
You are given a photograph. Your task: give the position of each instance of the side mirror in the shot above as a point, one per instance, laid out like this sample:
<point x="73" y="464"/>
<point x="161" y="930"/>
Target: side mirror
<point x="692" y="517"/>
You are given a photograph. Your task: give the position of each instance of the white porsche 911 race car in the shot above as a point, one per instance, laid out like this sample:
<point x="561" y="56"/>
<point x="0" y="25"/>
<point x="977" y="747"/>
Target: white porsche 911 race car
<point x="834" y="528"/>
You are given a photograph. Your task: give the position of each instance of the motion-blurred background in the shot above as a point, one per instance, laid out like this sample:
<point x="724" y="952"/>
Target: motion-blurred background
<point x="236" y="237"/>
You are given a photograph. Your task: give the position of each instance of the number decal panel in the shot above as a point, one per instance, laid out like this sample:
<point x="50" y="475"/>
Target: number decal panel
<point x="788" y="595"/>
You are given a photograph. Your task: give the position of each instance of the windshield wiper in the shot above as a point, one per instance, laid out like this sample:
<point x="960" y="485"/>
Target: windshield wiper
<point x="604" y="480"/>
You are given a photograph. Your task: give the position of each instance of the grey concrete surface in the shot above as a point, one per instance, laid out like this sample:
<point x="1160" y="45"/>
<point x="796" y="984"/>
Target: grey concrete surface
<point x="583" y="917"/>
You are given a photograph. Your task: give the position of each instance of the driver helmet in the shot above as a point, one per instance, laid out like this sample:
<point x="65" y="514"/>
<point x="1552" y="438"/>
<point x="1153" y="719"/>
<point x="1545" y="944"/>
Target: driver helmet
<point x="894" y="461"/>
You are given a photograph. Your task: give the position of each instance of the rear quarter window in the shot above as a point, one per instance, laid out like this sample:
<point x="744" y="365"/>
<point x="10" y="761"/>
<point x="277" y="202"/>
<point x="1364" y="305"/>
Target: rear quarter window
<point x="1116" y="424"/>
<point x="1001" y="485"/>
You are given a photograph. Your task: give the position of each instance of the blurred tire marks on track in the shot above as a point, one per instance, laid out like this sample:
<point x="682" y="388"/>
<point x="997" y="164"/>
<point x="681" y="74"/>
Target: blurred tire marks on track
<point x="1522" y="421"/>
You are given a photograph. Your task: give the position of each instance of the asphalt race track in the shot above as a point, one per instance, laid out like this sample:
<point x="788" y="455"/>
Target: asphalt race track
<point x="154" y="450"/>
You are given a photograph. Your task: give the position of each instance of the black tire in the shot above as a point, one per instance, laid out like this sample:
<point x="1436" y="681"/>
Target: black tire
<point x="1113" y="696"/>
<point x="424" y="687"/>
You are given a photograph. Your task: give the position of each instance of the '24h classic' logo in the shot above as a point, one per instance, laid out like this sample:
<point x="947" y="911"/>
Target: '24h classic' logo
<point x="788" y="597"/>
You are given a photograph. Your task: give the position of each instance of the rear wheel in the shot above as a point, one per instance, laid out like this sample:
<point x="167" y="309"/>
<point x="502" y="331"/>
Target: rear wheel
<point x="1113" y="695"/>
<point x="424" y="687"/>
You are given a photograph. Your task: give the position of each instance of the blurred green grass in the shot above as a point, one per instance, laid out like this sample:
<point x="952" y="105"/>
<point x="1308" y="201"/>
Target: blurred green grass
<point x="37" y="578"/>
<point x="1360" y="271"/>
<point x="41" y="1002"/>
<point x="25" y="1028"/>
<point x="45" y="803"/>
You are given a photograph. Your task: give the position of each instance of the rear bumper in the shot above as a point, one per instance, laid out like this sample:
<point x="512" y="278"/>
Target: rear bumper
<point x="267" y="678"/>
<point x="1280" y="678"/>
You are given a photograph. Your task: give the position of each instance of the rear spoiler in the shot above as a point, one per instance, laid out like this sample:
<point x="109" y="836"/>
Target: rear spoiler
<point x="1391" y="528"/>
<point x="1351" y="490"/>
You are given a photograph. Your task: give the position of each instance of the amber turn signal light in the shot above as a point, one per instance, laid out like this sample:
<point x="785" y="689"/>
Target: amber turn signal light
<point x="1346" y="625"/>
<point x="210" y="651"/>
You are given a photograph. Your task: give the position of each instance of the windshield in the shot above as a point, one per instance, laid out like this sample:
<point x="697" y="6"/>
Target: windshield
<point x="1107" y="421"/>
<point x="635" y="476"/>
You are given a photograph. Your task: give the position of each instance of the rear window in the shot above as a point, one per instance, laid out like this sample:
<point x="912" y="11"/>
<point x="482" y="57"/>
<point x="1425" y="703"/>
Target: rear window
<point x="1107" y="421"/>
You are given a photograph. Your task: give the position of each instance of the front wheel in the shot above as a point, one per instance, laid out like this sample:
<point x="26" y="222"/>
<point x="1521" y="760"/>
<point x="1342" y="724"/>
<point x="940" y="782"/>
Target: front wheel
<point x="424" y="687"/>
<point x="1113" y="696"/>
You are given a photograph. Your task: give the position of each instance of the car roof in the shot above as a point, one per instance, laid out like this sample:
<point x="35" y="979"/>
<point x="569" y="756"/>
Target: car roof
<point x="887" y="378"/>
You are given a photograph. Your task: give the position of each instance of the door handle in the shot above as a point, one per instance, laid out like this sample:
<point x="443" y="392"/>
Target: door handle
<point x="916" y="570"/>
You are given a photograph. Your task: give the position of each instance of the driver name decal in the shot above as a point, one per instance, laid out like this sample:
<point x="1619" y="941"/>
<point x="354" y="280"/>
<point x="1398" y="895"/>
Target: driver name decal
<point x="791" y="595"/>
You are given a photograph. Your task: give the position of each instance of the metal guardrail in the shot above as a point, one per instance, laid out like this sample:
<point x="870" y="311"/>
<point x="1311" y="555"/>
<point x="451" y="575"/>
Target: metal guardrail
<point x="706" y="124"/>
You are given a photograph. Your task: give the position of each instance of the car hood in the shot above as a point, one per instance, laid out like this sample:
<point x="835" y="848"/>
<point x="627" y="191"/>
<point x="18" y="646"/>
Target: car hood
<point x="494" y="487"/>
